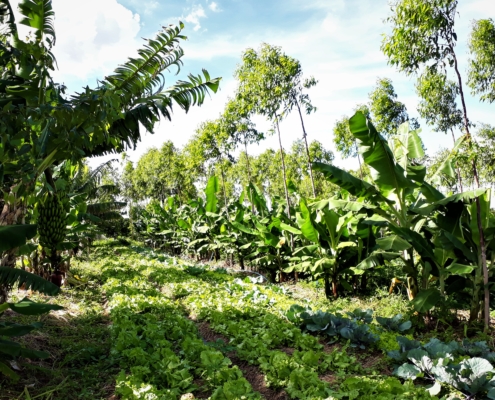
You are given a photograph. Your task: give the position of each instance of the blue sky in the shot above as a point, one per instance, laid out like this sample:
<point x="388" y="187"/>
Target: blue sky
<point x="337" y="41"/>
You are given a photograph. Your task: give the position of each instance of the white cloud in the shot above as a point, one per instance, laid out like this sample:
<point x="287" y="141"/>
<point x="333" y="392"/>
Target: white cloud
<point x="214" y="7"/>
<point x="93" y="37"/>
<point x="195" y="15"/>
<point x="341" y="48"/>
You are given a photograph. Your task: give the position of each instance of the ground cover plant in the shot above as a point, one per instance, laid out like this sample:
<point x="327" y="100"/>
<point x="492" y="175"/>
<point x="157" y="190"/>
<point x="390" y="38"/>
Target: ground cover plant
<point x="277" y="276"/>
<point x="169" y="329"/>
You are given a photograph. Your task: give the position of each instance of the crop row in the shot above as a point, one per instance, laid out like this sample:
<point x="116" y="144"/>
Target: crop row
<point x="159" y="349"/>
<point x="155" y="306"/>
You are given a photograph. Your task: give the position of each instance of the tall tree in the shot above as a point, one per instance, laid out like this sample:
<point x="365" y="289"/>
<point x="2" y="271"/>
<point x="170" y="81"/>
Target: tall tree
<point x="344" y="140"/>
<point x="266" y="79"/>
<point x="161" y="173"/>
<point x="388" y="112"/>
<point x="301" y="100"/>
<point x="438" y="104"/>
<point x="236" y="121"/>
<point x="213" y="140"/>
<point x="481" y="76"/>
<point x="423" y="35"/>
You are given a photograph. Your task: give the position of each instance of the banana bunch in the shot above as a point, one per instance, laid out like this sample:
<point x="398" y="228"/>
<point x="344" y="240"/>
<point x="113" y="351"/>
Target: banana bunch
<point x="51" y="221"/>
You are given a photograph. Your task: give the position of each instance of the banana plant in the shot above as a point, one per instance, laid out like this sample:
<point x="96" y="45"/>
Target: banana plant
<point x="333" y="246"/>
<point x="267" y="233"/>
<point x="455" y="234"/>
<point x="395" y="195"/>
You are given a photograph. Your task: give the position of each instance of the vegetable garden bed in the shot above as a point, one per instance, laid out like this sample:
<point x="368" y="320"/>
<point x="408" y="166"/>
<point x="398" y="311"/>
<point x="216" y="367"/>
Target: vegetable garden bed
<point x="153" y="327"/>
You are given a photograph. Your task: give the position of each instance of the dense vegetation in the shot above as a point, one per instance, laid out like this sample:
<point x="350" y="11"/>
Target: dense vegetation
<point x="232" y="275"/>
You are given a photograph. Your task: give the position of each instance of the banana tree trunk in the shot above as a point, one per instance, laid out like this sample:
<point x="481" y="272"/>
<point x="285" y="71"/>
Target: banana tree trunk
<point x="11" y="215"/>
<point x="364" y="283"/>
<point x="474" y="312"/>
<point x="241" y="261"/>
<point x="328" y="290"/>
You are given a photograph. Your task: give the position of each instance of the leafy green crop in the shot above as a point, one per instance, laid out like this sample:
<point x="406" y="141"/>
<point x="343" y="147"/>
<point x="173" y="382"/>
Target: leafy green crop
<point x="396" y="323"/>
<point x="436" y="361"/>
<point x="334" y="325"/>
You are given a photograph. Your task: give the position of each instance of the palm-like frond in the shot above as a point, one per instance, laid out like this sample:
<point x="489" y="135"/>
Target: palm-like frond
<point x="91" y="183"/>
<point x="191" y="93"/>
<point x="105" y="190"/>
<point x="139" y="83"/>
<point x="10" y="276"/>
<point x="149" y="109"/>
<point x="7" y="19"/>
<point x="144" y="75"/>
<point x="38" y="14"/>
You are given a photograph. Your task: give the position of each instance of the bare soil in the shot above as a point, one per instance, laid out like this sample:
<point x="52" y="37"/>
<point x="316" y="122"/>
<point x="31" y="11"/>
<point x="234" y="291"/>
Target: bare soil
<point x="251" y="372"/>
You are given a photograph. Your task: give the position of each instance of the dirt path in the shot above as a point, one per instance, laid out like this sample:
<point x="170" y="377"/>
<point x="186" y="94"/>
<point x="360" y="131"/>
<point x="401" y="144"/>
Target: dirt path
<point x="251" y="372"/>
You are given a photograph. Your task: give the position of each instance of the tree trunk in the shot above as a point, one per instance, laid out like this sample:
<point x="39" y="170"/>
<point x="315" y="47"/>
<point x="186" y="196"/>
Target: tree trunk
<point x="364" y="283"/>
<point x="241" y="261"/>
<point x="328" y="290"/>
<point x="360" y="166"/>
<point x="283" y="168"/>
<point x="307" y="150"/>
<point x="474" y="312"/>
<point x="247" y="162"/>
<point x="10" y="215"/>
<point x="457" y="166"/>
<point x="334" y="289"/>
<point x="249" y="172"/>
<point x="484" y="267"/>
<point x="223" y="186"/>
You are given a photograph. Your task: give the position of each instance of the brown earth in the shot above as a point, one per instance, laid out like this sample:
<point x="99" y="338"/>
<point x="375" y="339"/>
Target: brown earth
<point x="251" y="372"/>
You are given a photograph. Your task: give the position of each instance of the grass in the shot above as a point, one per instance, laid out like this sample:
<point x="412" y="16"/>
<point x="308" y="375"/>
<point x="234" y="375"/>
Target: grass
<point x="77" y="338"/>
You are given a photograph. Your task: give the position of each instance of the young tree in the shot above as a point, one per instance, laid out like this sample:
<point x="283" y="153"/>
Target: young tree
<point x="481" y="75"/>
<point x="388" y="112"/>
<point x="344" y="140"/>
<point x="438" y="104"/>
<point x="213" y="140"/>
<point x="266" y="84"/>
<point x="301" y="100"/>
<point x="423" y="35"/>
<point x="236" y="122"/>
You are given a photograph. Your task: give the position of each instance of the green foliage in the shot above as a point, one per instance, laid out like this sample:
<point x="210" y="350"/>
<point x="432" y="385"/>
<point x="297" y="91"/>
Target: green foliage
<point x="367" y="388"/>
<point x="15" y="236"/>
<point x="422" y="33"/>
<point x="266" y="80"/>
<point x="438" y="101"/>
<point x="357" y="314"/>
<point x="388" y="113"/>
<point x="10" y="350"/>
<point x="12" y="276"/>
<point x="395" y="324"/>
<point x="333" y="325"/>
<point x="482" y="65"/>
<point x="40" y="126"/>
